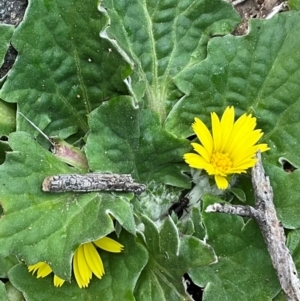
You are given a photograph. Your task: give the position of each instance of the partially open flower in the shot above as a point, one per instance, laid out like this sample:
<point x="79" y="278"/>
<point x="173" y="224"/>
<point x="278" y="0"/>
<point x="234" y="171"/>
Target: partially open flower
<point x="86" y="262"/>
<point x="230" y="149"/>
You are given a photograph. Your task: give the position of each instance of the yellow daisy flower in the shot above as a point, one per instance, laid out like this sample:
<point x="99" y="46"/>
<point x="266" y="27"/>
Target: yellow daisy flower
<point x="86" y="262"/>
<point x="230" y="149"/>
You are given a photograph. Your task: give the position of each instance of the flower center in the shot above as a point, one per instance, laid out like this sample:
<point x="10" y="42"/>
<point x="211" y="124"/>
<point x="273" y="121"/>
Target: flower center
<point x="222" y="162"/>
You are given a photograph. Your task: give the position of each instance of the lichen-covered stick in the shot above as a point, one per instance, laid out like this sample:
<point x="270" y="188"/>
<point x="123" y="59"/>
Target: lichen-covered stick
<point x="271" y="228"/>
<point x="92" y="182"/>
<point x="273" y="233"/>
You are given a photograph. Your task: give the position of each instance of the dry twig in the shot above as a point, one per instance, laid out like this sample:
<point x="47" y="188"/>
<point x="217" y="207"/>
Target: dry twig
<point x="271" y="228"/>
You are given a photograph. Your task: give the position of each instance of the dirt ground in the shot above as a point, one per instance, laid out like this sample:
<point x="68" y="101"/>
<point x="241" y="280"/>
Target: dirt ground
<point x="256" y="9"/>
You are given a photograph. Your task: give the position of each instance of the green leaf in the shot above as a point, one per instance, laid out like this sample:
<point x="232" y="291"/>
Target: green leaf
<point x="7" y="111"/>
<point x="286" y="194"/>
<point x="238" y="193"/>
<point x="198" y="225"/>
<point x="6" y="32"/>
<point x="162" y="38"/>
<point x="157" y="200"/>
<point x="7" y="118"/>
<point x="280" y="297"/>
<point x="68" y="73"/>
<point x="3" y="293"/>
<point x="244" y="183"/>
<point x="293" y="243"/>
<point x="125" y="139"/>
<point x="257" y="73"/>
<point x="170" y="258"/>
<point x="294" y="4"/>
<point x="12" y="293"/>
<point x="6" y="263"/>
<point x="244" y="270"/>
<point x="190" y="223"/>
<point x="121" y="273"/>
<point x="39" y="226"/>
<point x="284" y="142"/>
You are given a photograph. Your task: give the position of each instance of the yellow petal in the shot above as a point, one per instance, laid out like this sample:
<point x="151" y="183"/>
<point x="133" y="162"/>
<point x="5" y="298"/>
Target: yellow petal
<point x="262" y="147"/>
<point x="246" y="122"/>
<point x="234" y="131"/>
<point x="77" y="275"/>
<point x="93" y="260"/>
<point x="216" y="131"/>
<point x="203" y="135"/>
<point x="221" y="182"/>
<point x="44" y="270"/>
<point x="244" y="125"/>
<point x="243" y="167"/>
<point x="34" y="267"/>
<point x="201" y="151"/>
<point x="211" y="170"/>
<point x="227" y="123"/>
<point x="243" y="154"/>
<point x="249" y="138"/>
<point x="237" y="171"/>
<point x="245" y="147"/>
<point x="109" y="245"/>
<point x="195" y="161"/>
<point x="58" y="282"/>
<point x="82" y="272"/>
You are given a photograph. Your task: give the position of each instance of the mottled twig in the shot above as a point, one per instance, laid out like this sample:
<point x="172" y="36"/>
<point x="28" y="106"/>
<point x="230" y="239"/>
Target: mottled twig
<point x="92" y="182"/>
<point x="271" y="228"/>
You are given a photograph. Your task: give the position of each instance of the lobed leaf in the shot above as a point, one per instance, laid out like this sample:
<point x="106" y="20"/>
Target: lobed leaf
<point x="162" y="38"/>
<point x="244" y="270"/>
<point x="39" y="226"/>
<point x="170" y="257"/>
<point x="126" y="139"/>
<point x="257" y="73"/>
<point x="121" y="273"/>
<point x="66" y="74"/>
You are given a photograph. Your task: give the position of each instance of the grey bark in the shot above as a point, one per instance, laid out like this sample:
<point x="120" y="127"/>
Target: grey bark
<point x="92" y="182"/>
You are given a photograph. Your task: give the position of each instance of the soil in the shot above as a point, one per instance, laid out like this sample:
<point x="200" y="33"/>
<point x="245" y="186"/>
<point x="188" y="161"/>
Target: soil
<point x="11" y="12"/>
<point x="256" y="9"/>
